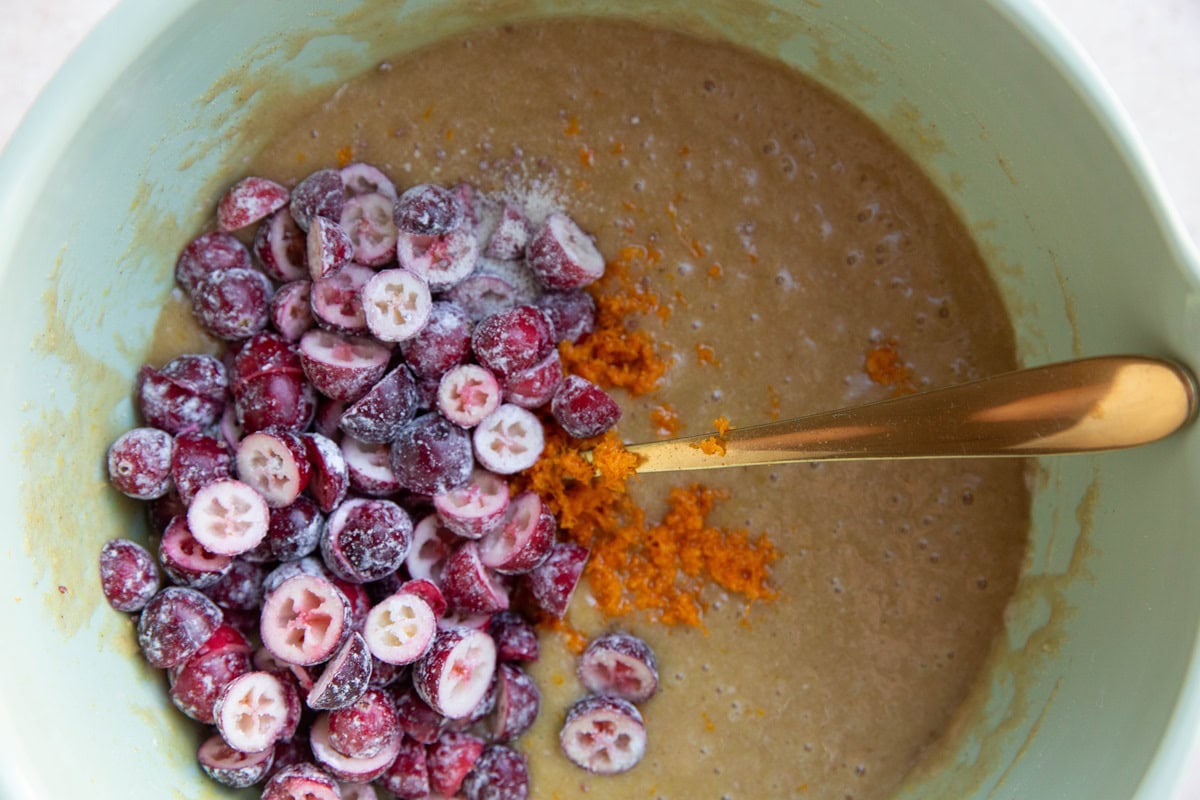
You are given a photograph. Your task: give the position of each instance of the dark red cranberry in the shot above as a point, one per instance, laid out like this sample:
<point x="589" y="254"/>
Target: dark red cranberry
<point x="562" y="256"/>
<point x="572" y="314"/>
<point x="344" y="678"/>
<point x="161" y="510"/>
<point x="516" y="638"/>
<point x="534" y="387"/>
<point x="185" y="561"/>
<point x="198" y="460"/>
<point x="263" y="354"/>
<point x="512" y="341"/>
<point x="415" y="717"/>
<point x="362" y="728"/>
<point x="321" y="194"/>
<point x="330" y="480"/>
<point x="366" y="539"/>
<point x="431" y="455"/>
<point x="583" y="409"/>
<point x="128" y="576"/>
<point x="517" y="703"/>
<point x="387" y="407"/>
<point x="248" y="201"/>
<point x="500" y="773"/>
<point x="293" y="533"/>
<point x="275" y="399"/>
<point x="208" y="253"/>
<point x="281" y="248"/>
<point x="240" y="588"/>
<point x="450" y="758"/>
<point x="468" y="585"/>
<point x="408" y="776"/>
<point x="552" y="583"/>
<point x="187" y="394"/>
<point x="483" y="294"/>
<point x="139" y="463"/>
<point x="233" y="303"/>
<point x="198" y="681"/>
<point x="174" y="624"/>
<point x="428" y="210"/>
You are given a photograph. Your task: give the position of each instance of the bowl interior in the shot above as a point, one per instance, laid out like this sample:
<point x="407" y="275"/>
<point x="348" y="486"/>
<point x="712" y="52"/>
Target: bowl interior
<point x="122" y="158"/>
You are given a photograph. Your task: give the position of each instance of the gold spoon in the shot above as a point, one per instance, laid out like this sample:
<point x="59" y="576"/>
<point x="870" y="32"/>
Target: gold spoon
<point x="1072" y="407"/>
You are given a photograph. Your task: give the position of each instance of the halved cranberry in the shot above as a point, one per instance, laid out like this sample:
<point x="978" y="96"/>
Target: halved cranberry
<point x="128" y="576"/>
<point x="275" y="462"/>
<point x="428" y="591"/>
<point x="248" y="201"/>
<point x="512" y="341"/>
<point x="563" y="256"/>
<point x="344" y="678"/>
<point x="161" y="510"/>
<point x="240" y="588"/>
<point x="174" y="624"/>
<point x="500" y="773"/>
<point x="321" y="194"/>
<point x="233" y="303"/>
<point x="387" y="407"/>
<point x="441" y="261"/>
<point x="480" y="295"/>
<point x="308" y="565"/>
<point x="400" y="628"/>
<point x="291" y="309"/>
<point x="432" y="455"/>
<point x="263" y="354"/>
<point x="367" y="219"/>
<point x="516" y="638"/>
<point x="511" y="234"/>
<point x="467" y="394"/>
<point x="417" y="719"/>
<point x="304" y="620"/>
<point x="139" y="463"/>
<point x="455" y="674"/>
<point x="468" y="585"/>
<point x="303" y="781"/>
<point x="444" y="341"/>
<point x="185" y="561"/>
<point x="281" y="399"/>
<point x="228" y="517"/>
<point x="342" y="367"/>
<point x="524" y="539"/>
<point x="198" y="460"/>
<point x="294" y="531"/>
<point x="330" y="479"/>
<point x="329" y="248"/>
<point x="619" y="664"/>
<point x="517" y="703"/>
<point x="197" y="682"/>
<point x="583" y="409"/>
<point x="552" y="582"/>
<point x="346" y="768"/>
<point x="396" y="304"/>
<point x="329" y="414"/>
<point x="572" y="314"/>
<point x="366" y="539"/>
<point x="360" y="178"/>
<point x="428" y="210"/>
<point x="362" y="728"/>
<point x="534" y="387"/>
<point x="408" y="776"/>
<point x="476" y="508"/>
<point x="603" y="734"/>
<point x="208" y="253"/>
<point x="369" y="467"/>
<point x="431" y="543"/>
<point x="233" y="768"/>
<point x="337" y="299"/>
<point x="450" y="758"/>
<point x="280" y="247"/>
<point x="509" y="440"/>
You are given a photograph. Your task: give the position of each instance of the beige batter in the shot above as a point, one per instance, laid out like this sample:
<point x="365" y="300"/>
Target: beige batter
<point x="795" y="238"/>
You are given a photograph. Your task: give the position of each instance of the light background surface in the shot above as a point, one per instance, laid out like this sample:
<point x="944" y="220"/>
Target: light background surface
<point x="1147" y="50"/>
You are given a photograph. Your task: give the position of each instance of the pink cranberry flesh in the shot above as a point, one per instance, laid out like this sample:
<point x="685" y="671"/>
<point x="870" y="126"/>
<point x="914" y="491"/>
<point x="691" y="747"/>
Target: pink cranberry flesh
<point x="233" y="768"/>
<point x="248" y="201"/>
<point x="275" y="463"/>
<point x="428" y="210"/>
<point x="321" y="194"/>
<point x="524" y="540"/>
<point x="362" y="728"/>
<point x="330" y="478"/>
<point x="455" y="674"/>
<point x="476" y="508"/>
<point x="583" y="409"/>
<point x="501" y="773"/>
<point x="396" y="304"/>
<point x="468" y="585"/>
<point x="346" y="768"/>
<point x="337" y="299"/>
<point x="431" y="543"/>
<point x="513" y="340"/>
<point x="552" y="582"/>
<point x="619" y="664"/>
<point x="342" y="367"/>
<point x="360" y="178"/>
<point x="450" y="758"/>
<point x="233" y="304"/>
<point x="572" y="314"/>
<point x="228" y="517"/>
<point x="467" y="394"/>
<point x="304" y="620"/>
<point x="344" y="678"/>
<point x="562" y="256"/>
<point x="198" y="460"/>
<point x="443" y="343"/>
<point x="366" y="539"/>
<point x="408" y="776"/>
<point x="432" y="455"/>
<point x="302" y="781"/>
<point x="515" y="637"/>
<point x="367" y="220"/>
<point x="441" y="261"/>
<point x="174" y="624"/>
<point x="400" y="628"/>
<point x="291" y="309"/>
<point x="185" y="561"/>
<point x="534" y="387"/>
<point x="387" y="407"/>
<point x="605" y="735"/>
<point x="208" y="253"/>
<point x="329" y="248"/>
<point x="509" y="440"/>
<point x="128" y="576"/>
<point x="281" y="248"/>
<point x="139" y="463"/>
<point x="369" y="467"/>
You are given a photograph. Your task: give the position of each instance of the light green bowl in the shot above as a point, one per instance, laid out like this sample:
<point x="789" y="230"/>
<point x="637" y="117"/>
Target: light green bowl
<point x="1094" y="692"/>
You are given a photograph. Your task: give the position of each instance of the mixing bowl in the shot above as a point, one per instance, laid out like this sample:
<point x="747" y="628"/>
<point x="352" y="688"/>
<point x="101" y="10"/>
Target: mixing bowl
<point x="1093" y="691"/>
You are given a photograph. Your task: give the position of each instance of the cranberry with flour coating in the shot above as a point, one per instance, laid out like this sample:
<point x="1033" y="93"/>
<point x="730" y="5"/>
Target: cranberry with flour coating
<point x="366" y="539"/>
<point x="233" y="304"/>
<point x="139" y="463"/>
<point x="128" y="576"/>
<point x="432" y="455"/>
<point x="562" y="256"/>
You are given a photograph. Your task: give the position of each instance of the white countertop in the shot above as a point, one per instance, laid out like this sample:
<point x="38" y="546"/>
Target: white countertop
<point x="1148" y="50"/>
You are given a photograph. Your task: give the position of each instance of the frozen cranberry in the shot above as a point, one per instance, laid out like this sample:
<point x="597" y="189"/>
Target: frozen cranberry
<point x="455" y="674"/>
<point x="197" y="682"/>
<point x="342" y="367"/>
<point x="619" y="664"/>
<point x="476" y="508"/>
<point x="329" y="414"/>
<point x="449" y="759"/>
<point x="274" y="462"/>
<point x="233" y="303"/>
<point x="572" y="314"/>
<point x="428" y="591"/>
<point x="431" y="543"/>
<point x="501" y="773"/>
<point x="290" y="753"/>
<point x="396" y="304"/>
<point x="441" y="261"/>
<point x="534" y="387"/>
<point x="128" y="576"/>
<point x="517" y="703"/>
<point x="366" y="539"/>
<point x="432" y="455"/>
<point x="408" y="776"/>
<point x="263" y="354"/>
<point x="230" y="767"/>
<point x="304" y="620"/>
<point x="369" y="467"/>
<point x="329" y="248"/>
<point x="427" y="390"/>
<point x="467" y="394"/>
<point x="481" y="210"/>
<point x="523" y="540"/>
<point x="174" y="624"/>
<point x="515" y="637"/>
<point x="367" y="220"/>
<point x="552" y="582"/>
<point x="362" y="728"/>
<point x="291" y="309"/>
<point x="278" y="399"/>
<point x="428" y="210"/>
<point x="525" y="286"/>
<point x="386" y="408"/>
<point x="139" y="463"/>
<point x="346" y="768"/>
<point x="321" y="194"/>
<point x="583" y="409"/>
<point x="360" y="178"/>
<point x="161" y="510"/>
<point x="337" y="299"/>
<point x="563" y="256"/>
<point x="198" y="460"/>
<point x="509" y="440"/>
<point x="330" y="479"/>
<point x="251" y="711"/>
<point x="208" y="253"/>
<point x="400" y="628"/>
<point x="303" y="781"/>
<point x="481" y="295"/>
<point x="185" y="561"/>
<point x="360" y="602"/>
<point x="416" y="718"/>
<point x="293" y="532"/>
<point x="468" y="585"/>
<point x="248" y="201"/>
<point x="281" y="248"/>
<point x="308" y="565"/>
<point x="384" y="674"/>
<point x="603" y="734"/>
<point x="511" y="234"/>
<point x="512" y="341"/>
<point x="239" y="589"/>
<point x="228" y="517"/>
<point x="441" y="344"/>
<point x="344" y="678"/>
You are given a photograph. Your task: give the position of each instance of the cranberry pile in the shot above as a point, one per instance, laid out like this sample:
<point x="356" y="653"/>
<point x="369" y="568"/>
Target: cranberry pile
<point x="329" y="497"/>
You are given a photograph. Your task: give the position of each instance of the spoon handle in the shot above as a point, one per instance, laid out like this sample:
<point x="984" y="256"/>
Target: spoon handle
<point x="1071" y="407"/>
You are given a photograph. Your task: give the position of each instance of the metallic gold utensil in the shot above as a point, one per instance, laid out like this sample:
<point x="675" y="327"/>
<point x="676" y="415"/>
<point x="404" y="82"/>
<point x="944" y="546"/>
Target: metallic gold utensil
<point x="1072" y="407"/>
